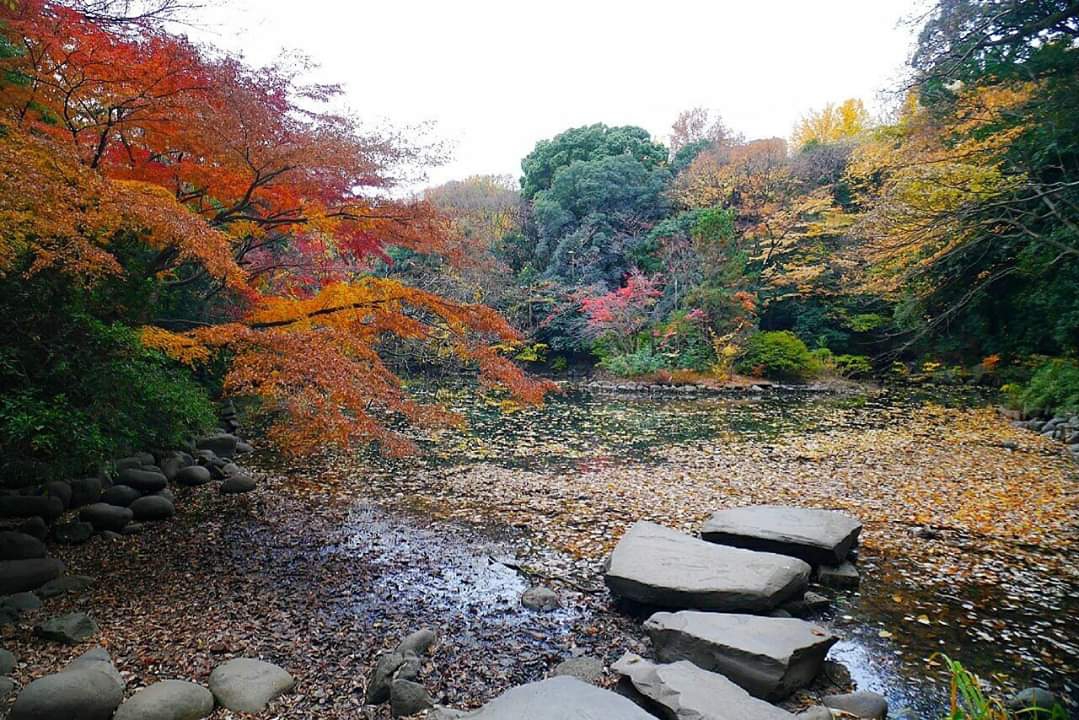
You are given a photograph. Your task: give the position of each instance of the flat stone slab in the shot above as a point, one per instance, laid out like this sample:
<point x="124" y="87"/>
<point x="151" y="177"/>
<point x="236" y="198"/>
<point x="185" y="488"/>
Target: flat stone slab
<point x="820" y="537"/>
<point x="559" y="698"/>
<point x="248" y="685"/>
<point x="768" y="657"/>
<point x="686" y="692"/>
<point x="659" y="566"/>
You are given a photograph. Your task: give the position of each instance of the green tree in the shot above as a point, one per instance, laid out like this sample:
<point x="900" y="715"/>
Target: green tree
<point x="588" y="143"/>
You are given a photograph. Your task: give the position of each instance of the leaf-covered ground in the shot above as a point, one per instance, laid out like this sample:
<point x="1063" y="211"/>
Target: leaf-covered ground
<point x="331" y="561"/>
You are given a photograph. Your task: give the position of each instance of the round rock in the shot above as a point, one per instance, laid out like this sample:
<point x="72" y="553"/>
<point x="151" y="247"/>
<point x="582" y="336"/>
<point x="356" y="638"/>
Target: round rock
<point x="20" y="546"/>
<point x="72" y="533"/>
<point x="145" y="481"/>
<point x="239" y="483"/>
<point x="541" y="598"/>
<point x="248" y="685"/>
<point x="120" y="495"/>
<point x="17" y="576"/>
<point x="152" y="507"/>
<point x="106" y="517"/>
<point x="863" y="704"/>
<point x="167" y="700"/>
<point x="192" y="475"/>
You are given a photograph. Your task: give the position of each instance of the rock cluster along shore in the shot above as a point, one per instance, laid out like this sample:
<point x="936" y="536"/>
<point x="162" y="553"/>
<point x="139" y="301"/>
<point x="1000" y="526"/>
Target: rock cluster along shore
<point x="136" y="490"/>
<point x="695" y="389"/>
<point x="1062" y="428"/>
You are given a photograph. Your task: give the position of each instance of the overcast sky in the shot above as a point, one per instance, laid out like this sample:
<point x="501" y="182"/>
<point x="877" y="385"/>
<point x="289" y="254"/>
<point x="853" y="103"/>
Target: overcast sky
<point x="497" y="76"/>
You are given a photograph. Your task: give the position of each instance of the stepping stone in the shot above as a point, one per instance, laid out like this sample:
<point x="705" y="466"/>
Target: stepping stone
<point x="659" y="566"/>
<point x="18" y="576"/>
<point x="769" y="657"/>
<point x="559" y="698"/>
<point x="838" y="576"/>
<point x="686" y="692"/>
<point x="248" y="685"/>
<point x="89" y="688"/>
<point x="820" y="537"/>
<point x="71" y="629"/>
<point x="168" y="700"/>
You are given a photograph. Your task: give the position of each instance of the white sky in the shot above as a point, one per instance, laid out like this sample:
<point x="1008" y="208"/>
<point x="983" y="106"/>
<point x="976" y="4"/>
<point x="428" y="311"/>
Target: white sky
<point x="496" y="76"/>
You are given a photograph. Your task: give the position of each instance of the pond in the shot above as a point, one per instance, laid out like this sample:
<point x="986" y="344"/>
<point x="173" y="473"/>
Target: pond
<point x="565" y="480"/>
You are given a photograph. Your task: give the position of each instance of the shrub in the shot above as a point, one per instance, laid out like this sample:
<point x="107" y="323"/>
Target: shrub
<point x="853" y="366"/>
<point x="1054" y="387"/>
<point x="97" y="395"/>
<point x="780" y="355"/>
<point x="641" y="362"/>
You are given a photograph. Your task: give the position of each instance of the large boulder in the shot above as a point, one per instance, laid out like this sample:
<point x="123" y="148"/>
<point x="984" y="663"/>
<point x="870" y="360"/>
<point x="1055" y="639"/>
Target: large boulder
<point x="820" y="537"/>
<point x="120" y="495"/>
<point x="145" y="481"/>
<point x="106" y="517"/>
<point x="168" y="700"/>
<point x="17" y="576"/>
<point x="192" y="475"/>
<point x="222" y="444"/>
<point x="683" y="691"/>
<point x="659" y="566"/>
<point x="85" y="491"/>
<point x="769" y="657"/>
<point x="20" y="546"/>
<point x="152" y="507"/>
<point x="89" y="688"/>
<point x="248" y="685"/>
<point x="26" y="506"/>
<point x="559" y="698"/>
<point x="71" y="629"/>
